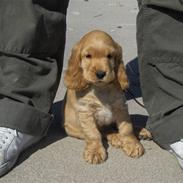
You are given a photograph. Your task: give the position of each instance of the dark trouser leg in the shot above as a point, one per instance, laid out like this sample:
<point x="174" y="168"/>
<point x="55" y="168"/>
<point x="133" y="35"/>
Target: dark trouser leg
<point x="32" y="39"/>
<point x="160" y="52"/>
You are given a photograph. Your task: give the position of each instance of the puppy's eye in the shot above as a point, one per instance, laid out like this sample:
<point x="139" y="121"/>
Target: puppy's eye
<point x="88" y="56"/>
<point x="109" y="56"/>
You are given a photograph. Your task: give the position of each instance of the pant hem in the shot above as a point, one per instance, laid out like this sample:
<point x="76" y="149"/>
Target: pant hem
<point x="23" y="117"/>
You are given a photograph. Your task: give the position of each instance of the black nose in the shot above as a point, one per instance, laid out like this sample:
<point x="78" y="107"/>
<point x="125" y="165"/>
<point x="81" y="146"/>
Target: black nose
<point x="100" y="74"/>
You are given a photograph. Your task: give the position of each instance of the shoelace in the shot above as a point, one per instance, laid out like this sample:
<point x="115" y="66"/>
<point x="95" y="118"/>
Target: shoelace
<point x="5" y="134"/>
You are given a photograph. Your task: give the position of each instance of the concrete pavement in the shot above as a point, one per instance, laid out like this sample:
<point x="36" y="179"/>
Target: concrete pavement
<point x="57" y="158"/>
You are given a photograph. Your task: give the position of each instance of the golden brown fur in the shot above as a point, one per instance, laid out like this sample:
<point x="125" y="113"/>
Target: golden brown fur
<point x="95" y="80"/>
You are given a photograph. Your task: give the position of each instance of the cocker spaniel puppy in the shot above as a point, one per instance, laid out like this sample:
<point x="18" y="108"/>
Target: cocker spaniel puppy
<point x="95" y="80"/>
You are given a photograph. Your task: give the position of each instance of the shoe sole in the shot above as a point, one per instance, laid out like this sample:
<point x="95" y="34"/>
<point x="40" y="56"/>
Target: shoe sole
<point x="5" y="168"/>
<point x="180" y="161"/>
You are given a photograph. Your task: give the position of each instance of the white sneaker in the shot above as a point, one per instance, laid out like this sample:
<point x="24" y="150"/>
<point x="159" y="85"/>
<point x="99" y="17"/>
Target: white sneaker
<point x="12" y="143"/>
<point x="177" y="151"/>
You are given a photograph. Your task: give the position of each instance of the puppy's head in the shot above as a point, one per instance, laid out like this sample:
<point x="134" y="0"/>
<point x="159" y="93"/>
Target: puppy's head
<point x="95" y="60"/>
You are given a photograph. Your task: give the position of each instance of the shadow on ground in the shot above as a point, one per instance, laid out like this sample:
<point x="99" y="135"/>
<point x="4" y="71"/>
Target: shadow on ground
<point x="56" y="132"/>
<point x="132" y="71"/>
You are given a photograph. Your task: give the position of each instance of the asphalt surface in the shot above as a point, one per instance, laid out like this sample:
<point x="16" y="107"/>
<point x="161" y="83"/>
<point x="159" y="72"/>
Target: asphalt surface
<point x="58" y="158"/>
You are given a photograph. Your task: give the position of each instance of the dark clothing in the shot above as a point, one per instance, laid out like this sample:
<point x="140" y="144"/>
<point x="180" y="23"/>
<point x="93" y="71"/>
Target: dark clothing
<point x="160" y="52"/>
<point x="32" y="40"/>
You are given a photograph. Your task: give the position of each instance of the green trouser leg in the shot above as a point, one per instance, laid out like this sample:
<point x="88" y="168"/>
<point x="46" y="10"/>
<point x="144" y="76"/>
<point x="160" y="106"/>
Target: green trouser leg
<point x="32" y="40"/>
<point x="160" y="52"/>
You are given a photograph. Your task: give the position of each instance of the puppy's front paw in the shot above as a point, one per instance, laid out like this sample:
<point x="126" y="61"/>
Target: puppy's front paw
<point x="114" y="140"/>
<point x="95" y="154"/>
<point x="132" y="147"/>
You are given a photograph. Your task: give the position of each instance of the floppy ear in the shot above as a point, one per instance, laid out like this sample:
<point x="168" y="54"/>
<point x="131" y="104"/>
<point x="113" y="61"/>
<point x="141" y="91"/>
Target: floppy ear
<point x="120" y="69"/>
<point x="74" y="74"/>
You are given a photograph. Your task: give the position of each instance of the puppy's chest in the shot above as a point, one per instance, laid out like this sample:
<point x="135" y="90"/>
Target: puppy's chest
<point x="101" y="104"/>
<point x="104" y="115"/>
